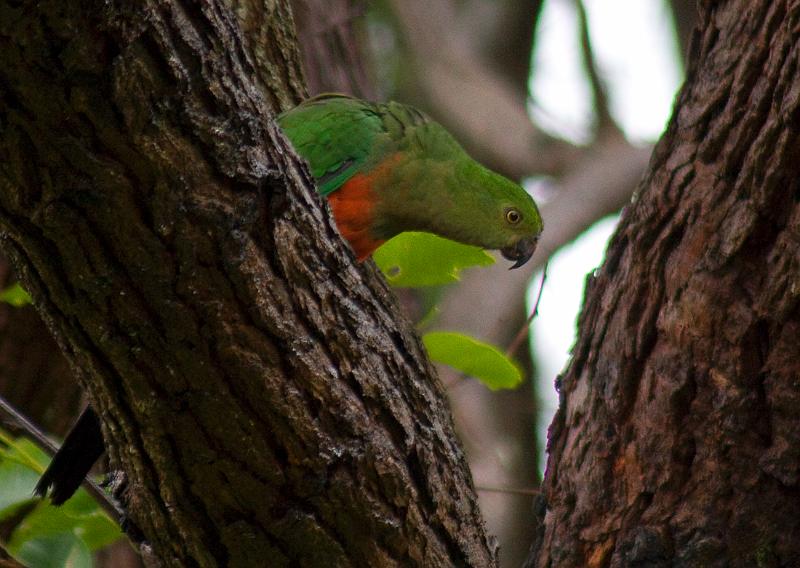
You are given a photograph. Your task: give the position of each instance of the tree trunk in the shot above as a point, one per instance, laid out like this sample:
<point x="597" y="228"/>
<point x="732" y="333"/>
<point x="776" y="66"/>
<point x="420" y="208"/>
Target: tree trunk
<point x="257" y="387"/>
<point x="676" y="439"/>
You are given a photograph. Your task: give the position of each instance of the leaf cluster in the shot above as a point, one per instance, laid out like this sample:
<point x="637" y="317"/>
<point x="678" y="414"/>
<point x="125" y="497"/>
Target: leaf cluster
<point x="35" y="532"/>
<point x="414" y="260"/>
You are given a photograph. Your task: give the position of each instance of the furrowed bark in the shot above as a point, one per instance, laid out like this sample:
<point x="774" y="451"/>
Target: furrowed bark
<point x="257" y="387"/>
<point x="676" y="439"/>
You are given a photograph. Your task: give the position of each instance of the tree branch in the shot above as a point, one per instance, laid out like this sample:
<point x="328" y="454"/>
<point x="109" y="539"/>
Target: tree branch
<point x="332" y="41"/>
<point x="599" y="94"/>
<point x="458" y="86"/>
<point x="502" y="34"/>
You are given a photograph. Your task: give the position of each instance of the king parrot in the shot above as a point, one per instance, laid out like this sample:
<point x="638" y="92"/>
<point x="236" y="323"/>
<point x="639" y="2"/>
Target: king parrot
<point x="385" y="168"/>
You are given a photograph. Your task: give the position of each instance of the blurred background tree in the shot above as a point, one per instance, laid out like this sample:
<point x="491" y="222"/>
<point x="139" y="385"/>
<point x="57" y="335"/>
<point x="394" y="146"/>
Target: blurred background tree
<point x="564" y="95"/>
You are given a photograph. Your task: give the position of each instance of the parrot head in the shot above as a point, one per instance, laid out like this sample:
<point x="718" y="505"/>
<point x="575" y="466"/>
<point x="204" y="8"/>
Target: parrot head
<point x="524" y="225"/>
<point x="466" y="202"/>
<point x="521" y="226"/>
<point x="435" y="186"/>
<point x="517" y="219"/>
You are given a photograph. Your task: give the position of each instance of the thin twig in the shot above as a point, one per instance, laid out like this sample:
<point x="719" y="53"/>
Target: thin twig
<point x="461" y="379"/>
<point x="509" y="490"/>
<point x="12" y="416"/>
<point x="523" y="331"/>
<point x="604" y="119"/>
<point x="518" y="339"/>
<point x="7" y="561"/>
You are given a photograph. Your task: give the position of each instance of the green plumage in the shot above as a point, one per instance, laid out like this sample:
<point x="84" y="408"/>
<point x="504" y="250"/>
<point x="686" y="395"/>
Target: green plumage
<point x="421" y="177"/>
<point x="338" y="136"/>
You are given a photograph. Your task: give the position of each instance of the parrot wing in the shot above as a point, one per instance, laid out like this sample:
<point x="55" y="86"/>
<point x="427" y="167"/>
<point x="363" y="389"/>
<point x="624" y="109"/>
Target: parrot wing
<point x="339" y="136"/>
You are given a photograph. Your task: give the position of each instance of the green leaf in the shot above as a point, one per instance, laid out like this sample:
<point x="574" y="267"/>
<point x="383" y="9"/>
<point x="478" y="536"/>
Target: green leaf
<point x="48" y="535"/>
<point x="91" y="523"/>
<point x="21" y="463"/>
<point x="80" y="516"/>
<point x="16" y="487"/>
<point x="54" y="551"/>
<point x="414" y="259"/>
<point x="15" y="295"/>
<point x="25" y="452"/>
<point x="472" y="357"/>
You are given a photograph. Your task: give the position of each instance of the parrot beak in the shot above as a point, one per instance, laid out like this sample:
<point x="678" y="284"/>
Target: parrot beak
<point x="521" y="251"/>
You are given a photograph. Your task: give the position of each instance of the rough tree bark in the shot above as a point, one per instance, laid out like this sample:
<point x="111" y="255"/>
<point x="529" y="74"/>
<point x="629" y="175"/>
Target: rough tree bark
<point x="255" y="385"/>
<point x="676" y="439"/>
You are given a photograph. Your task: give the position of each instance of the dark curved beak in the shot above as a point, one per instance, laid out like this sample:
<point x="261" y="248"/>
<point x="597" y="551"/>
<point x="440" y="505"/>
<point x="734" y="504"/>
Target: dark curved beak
<point x="521" y="252"/>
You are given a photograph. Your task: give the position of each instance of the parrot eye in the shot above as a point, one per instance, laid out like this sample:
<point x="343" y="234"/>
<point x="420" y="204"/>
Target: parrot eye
<point x="513" y="216"/>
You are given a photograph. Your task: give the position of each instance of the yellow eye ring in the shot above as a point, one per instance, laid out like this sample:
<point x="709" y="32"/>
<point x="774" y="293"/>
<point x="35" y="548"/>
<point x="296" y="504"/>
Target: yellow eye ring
<point x="513" y="216"/>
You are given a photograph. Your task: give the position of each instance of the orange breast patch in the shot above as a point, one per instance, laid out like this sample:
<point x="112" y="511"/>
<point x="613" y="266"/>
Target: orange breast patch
<point x="353" y="207"/>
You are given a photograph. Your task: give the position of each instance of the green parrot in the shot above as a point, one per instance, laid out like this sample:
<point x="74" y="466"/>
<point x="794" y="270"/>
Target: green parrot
<point x="386" y="168"/>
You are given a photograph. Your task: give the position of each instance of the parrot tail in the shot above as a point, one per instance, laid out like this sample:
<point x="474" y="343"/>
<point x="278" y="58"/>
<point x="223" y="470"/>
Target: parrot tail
<point x="82" y="447"/>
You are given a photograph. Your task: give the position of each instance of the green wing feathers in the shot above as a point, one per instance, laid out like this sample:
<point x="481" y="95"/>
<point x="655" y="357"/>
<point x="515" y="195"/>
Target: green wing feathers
<point x="338" y="136"/>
